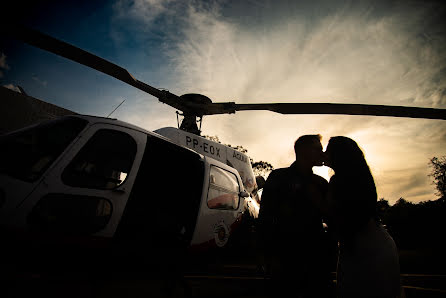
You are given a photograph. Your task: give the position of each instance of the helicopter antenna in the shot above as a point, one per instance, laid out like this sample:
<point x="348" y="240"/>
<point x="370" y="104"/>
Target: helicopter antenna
<point x="200" y="120"/>
<point x="115" y="109"/>
<point x="178" y="119"/>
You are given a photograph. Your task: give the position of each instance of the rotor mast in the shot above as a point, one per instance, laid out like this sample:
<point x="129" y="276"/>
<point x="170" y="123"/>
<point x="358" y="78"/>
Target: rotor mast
<point x="192" y="115"/>
<point x="189" y="123"/>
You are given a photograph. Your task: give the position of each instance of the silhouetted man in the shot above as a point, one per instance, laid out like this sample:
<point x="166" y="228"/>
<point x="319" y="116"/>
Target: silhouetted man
<point x="291" y="236"/>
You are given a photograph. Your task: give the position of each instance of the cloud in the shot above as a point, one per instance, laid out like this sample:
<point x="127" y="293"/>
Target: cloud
<point x="12" y="87"/>
<point x="350" y="54"/>
<point x="346" y="56"/>
<point x="39" y="81"/>
<point x="369" y="52"/>
<point x="140" y="10"/>
<point x="146" y="19"/>
<point x="3" y="64"/>
<point x="408" y="183"/>
<point x="341" y="57"/>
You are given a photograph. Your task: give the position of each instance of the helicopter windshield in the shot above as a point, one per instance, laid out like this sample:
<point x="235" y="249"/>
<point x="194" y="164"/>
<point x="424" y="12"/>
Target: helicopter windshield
<point x="26" y="154"/>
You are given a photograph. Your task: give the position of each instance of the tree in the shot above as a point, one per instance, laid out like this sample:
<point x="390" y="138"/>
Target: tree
<point x="262" y="168"/>
<point x="213" y="139"/>
<point x="382" y="207"/>
<point x="438" y="166"/>
<point x="217" y="140"/>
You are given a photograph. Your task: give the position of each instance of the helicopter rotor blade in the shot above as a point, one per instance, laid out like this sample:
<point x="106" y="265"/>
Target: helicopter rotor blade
<point x="48" y="43"/>
<point x="58" y="47"/>
<point x="329" y="108"/>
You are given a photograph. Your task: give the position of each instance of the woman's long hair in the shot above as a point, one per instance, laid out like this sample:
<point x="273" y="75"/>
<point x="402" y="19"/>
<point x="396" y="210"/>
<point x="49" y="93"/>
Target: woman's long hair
<point x="353" y="187"/>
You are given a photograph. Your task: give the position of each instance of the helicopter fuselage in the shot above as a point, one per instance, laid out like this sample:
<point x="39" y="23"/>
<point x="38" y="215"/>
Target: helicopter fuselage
<point x="98" y="178"/>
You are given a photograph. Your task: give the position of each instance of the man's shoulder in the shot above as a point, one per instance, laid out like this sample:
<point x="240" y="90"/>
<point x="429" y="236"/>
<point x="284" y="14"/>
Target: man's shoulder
<point x="280" y="170"/>
<point x="278" y="173"/>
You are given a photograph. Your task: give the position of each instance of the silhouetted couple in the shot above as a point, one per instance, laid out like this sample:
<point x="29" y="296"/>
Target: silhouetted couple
<point x="297" y="206"/>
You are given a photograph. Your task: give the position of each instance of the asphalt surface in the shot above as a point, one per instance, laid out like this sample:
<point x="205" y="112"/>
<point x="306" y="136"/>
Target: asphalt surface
<point x="219" y="280"/>
<point x="229" y="275"/>
<point x="231" y="281"/>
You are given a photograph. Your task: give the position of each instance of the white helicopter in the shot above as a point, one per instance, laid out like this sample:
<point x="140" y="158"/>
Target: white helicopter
<point x="93" y="180"/>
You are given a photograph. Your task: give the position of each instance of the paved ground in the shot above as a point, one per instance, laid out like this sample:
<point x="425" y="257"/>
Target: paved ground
<point x="207" y="280"/>
<point x="226" y="280"/>
<point x="134" y="285"/>
<point x="230" y="276"/>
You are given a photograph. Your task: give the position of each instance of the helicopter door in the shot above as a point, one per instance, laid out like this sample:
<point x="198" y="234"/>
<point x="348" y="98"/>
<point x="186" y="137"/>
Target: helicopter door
<point x="222" y="207"/>
<point x="86" y="191"/>
<point x="27" y="154"/>
<point x="163" y="207"/>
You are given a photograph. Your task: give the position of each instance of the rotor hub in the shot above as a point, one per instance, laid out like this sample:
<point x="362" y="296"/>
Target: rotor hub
<point x="193" y="114"/>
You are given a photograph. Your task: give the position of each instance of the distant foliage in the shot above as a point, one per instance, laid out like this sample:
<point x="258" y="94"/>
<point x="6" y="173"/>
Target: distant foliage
<point x="415" y="225"/>
<point x="438" y="166"/>
<point x="213" y="139"/>
<point x="418" y="225"/>
<point x="262" y="168"/>
<point x="238" y="148"/>
<point x="382" y="206"/>
<point x="217" y="140"/>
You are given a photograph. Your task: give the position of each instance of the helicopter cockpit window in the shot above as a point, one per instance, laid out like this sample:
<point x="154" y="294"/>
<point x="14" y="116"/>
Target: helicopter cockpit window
<point x="26" y="154"/>
<point x="223" y="190"/>
<point x="103" y="163"/>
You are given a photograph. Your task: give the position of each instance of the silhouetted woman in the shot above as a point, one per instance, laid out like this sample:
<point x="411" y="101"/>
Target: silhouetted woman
<point x="368" y="263"/>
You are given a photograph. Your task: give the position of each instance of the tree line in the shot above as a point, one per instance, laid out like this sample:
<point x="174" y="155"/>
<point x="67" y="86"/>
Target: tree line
<point x="260" y="168"/>
<point x="418" y="225"/>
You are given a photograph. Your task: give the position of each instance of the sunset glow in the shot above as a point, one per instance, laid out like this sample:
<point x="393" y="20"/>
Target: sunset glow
<point x="370" y="52"/>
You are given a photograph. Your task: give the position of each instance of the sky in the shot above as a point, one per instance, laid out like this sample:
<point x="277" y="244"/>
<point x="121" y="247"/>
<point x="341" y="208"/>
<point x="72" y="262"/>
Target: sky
<point x="369" y="52"/>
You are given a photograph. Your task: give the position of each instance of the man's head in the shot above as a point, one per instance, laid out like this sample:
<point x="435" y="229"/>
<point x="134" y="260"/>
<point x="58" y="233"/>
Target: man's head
<point x="308" y="149"/>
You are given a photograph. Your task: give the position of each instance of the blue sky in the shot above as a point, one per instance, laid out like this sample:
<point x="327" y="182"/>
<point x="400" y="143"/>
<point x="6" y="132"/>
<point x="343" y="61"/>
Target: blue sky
<point x="372" y="52"/>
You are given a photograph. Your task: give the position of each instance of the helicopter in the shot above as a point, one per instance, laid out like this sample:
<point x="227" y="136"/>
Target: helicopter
<point x="96" y="181"/>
